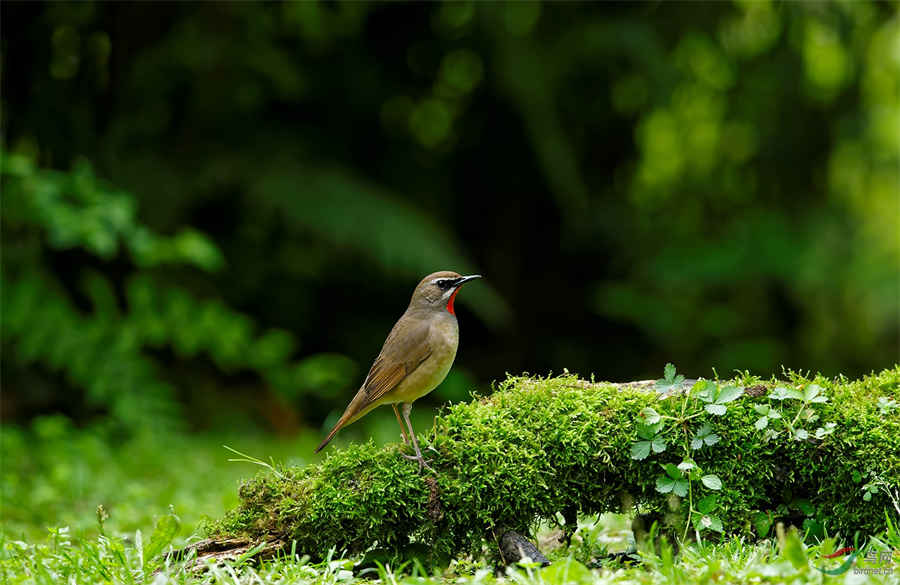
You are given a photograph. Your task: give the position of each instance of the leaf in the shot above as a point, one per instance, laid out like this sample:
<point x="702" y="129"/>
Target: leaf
<point x="681" y="487"/>
<point x="672" y="471"/>
<point x="560" y="573"/>
<point x="640" y="450"/>
<point x="658" y="444"/>
<point x="687" y="465"/>
<point x="670" y="381"/>
<point x="648" y="432"/>
<point x="762" y="409"/>
<point x="729" y="394"/>
<point x="650" y="415"/>
<point x="778" y="393"/>
<point x="715" y="524"/>
<point x="707" y="504"/>
<point x="783" y="393"/>
<point x="708" y="391"/>
<point x="761" y="423"/>
<point x="704" y="436"/>
<point x="773" y="414"/>
<point x="762" y="521"/>
<point x="716" y="409"/>
<point x="163" y="534"/>
<point x="801" y="434"/>
<point x="669" y="373"/>
<point x="712" y="482"/>
<point x="793" y="550"/>
<point x="707" y="522"/>
<point x="804" y="506"/>
<point x="664" y="484"/>
<point x="811" y="391"/>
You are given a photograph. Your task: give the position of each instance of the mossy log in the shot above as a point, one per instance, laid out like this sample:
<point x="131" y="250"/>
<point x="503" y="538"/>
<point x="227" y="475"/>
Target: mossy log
<point x="536" y="447"/>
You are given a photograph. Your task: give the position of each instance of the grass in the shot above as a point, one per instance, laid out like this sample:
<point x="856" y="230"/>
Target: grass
<point x="55" y="475"/>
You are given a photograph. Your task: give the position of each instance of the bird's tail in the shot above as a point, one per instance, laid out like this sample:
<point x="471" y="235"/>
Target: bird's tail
<point x="333" y="432"/>
<point x="359" y="406"/>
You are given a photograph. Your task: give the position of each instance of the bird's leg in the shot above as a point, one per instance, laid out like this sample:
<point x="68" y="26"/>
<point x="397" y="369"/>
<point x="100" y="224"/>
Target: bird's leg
<point x="400" y="422"/>
<point x="407" y="408"/>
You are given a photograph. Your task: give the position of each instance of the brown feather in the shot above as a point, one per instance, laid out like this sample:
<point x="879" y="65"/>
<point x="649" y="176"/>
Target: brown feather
<point x="404" y="350"/>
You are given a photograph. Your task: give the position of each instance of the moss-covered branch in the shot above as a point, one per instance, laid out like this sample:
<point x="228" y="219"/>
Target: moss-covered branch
<point x="536" y="447"/>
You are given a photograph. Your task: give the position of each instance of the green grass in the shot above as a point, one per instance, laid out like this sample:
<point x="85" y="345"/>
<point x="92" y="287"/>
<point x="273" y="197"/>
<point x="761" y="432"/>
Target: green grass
<point x="55" y="475"/>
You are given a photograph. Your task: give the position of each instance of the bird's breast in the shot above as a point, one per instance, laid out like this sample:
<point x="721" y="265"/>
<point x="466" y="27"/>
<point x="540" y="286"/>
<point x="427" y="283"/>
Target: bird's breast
<point x="443" y="339"/>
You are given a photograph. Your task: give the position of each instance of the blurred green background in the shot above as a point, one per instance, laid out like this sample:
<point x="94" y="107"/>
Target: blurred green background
<point x="212" y="213"/>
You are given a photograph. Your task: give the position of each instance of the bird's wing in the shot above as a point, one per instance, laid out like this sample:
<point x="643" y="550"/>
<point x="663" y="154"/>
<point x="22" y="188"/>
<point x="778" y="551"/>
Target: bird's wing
<point x="399" y="357"/>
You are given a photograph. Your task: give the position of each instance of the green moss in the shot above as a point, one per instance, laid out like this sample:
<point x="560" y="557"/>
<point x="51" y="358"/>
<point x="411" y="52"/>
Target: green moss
<point x="536" y="447"/>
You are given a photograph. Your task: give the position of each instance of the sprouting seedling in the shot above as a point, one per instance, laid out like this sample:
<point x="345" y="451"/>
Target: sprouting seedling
<point x="670" y="380"/>
<point x="244" y="458"/>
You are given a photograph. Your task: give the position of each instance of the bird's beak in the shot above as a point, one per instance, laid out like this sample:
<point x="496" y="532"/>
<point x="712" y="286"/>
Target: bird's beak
<point x="464" y="279"/>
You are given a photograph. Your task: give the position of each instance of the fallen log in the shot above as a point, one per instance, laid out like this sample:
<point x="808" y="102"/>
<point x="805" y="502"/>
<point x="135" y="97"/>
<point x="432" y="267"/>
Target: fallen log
<point x="539" y="446"/>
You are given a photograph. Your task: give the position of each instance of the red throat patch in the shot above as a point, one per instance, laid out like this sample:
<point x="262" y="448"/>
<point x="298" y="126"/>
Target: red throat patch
<point x="450" y="302"/>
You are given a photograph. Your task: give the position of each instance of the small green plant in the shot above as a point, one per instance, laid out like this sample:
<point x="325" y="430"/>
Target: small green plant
<point x="656" y="432"/>
<point x="775" y="423"/>
<point x="879" y="484"/>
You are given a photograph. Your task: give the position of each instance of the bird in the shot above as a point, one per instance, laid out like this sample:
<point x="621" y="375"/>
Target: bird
<point x="415" y="358"/>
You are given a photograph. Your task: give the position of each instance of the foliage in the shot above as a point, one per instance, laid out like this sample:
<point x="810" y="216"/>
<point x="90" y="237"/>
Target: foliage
<point x="570" y="439"/>
<point x="106" y="351"/>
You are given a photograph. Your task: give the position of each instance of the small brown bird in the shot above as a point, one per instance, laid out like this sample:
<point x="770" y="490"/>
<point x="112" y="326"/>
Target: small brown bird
<point x="415" y="357"/>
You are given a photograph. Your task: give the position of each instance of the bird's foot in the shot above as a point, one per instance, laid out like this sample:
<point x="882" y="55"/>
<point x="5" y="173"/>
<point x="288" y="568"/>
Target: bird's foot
<point x="423" y="463"/>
